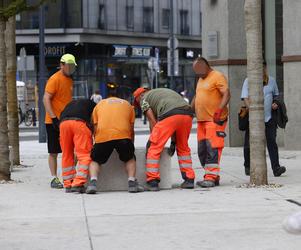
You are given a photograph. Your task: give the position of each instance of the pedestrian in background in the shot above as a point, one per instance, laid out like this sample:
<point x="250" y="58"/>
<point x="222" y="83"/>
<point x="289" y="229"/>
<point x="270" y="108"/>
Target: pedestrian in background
<point x="96" y="97"/>
<point x="271" y="93"/>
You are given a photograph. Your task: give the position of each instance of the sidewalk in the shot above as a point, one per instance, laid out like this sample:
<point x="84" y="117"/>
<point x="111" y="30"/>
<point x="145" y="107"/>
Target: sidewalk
<point x="227" y="217"/>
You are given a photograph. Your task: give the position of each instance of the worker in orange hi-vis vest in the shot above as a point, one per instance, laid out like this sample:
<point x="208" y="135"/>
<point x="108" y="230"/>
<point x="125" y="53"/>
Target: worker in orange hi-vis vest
<point x="210" y="105"/>
<point x="170" y="116"/>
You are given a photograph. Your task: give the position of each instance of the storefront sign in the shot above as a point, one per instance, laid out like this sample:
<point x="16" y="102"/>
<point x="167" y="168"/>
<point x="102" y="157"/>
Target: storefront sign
<point x="141" y="51"/>
<point x="189" y="54"/>
<point x="54" y="50"/>
<point x="212" y="38"/>
<point x="120" y="50"/>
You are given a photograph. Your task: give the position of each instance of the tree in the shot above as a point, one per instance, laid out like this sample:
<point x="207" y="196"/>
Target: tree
<point x="4" y="151"/>
<point x="12" y="102"/>
<point x="253" y="28"/>
<point x="8" y="9"/>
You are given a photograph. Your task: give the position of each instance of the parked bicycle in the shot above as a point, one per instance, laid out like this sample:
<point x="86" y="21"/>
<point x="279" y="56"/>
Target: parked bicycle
<point x="28" y="117"/>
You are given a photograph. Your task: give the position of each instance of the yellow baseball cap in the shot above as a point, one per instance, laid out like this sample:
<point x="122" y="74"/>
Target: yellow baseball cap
<point x="69" y="59"/>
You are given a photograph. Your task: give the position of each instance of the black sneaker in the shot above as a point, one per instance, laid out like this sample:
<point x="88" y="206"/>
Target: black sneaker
<point x="188" y="184"/>
<point x="78" y="189"/>
<point x="92" y="187"/>
<point x="135" y="187"/>
<point x="208" y="183"/>
<point x="153" y="185"/>
<point x="279" y="171"/>
<point x="55" y="183"/>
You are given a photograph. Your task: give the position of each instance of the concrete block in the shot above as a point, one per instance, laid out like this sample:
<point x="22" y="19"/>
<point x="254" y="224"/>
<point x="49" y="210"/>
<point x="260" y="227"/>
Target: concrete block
<point x="113" y="176"/>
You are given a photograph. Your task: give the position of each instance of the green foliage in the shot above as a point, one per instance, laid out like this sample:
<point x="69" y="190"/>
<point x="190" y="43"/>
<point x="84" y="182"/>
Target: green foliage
<point x="16" y="6"/>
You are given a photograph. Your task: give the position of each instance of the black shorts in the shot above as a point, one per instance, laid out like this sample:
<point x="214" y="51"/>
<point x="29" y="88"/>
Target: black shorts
<point x="53" y="140"/>
<point x="101" y="152"/>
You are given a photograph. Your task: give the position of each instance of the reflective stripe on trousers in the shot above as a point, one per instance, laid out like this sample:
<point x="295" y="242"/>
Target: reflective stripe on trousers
<point x="185" y="164"/>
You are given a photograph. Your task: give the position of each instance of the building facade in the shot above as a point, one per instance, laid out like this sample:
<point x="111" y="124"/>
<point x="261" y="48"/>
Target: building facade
<point x="224" y="44"/>
<point x="114" y="41"/>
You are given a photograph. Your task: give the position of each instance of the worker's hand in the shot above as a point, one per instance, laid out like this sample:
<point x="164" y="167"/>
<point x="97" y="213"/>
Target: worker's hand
<point x="172" y="148"/>
<point x="56" y="124"/>
<point x="217" y="116"/>
<point x="274" y="106"/>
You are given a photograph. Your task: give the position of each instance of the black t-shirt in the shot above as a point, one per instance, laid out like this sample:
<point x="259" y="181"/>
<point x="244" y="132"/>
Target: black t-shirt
<point x="81" y="109"/>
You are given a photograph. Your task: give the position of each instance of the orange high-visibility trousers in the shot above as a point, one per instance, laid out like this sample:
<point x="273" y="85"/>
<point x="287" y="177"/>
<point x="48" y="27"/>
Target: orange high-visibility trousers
<point x="162" y="131"/>
<point x="210" y="146"/>
<point x="75" y="137"/>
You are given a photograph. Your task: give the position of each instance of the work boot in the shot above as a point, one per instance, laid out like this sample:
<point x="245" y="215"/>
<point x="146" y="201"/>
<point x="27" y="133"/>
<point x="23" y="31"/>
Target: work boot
<point x="153" y="185"/>
<point x="208" y="183"/>
<point x="92" y="187"/>
<point x="78" y="189"/>
<point x="247" y="171"/>
<point x="55" y="183"/>
<point x="135" y="187"/>
<point x="68" y="190"/>
<point x="188" y="184"/>
<point x="279" y="171"/>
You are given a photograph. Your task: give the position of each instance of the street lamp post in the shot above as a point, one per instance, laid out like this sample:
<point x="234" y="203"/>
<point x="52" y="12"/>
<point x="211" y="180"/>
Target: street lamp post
<point x="42" y="78"/>
<point x="172" y="47"/>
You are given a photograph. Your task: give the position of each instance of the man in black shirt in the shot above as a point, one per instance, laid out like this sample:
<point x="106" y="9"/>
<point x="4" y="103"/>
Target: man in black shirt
<point x="76" y="137"/>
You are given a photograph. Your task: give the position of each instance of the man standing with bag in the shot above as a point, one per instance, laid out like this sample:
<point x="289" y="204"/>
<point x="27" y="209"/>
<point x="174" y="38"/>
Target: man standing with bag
<point x="210" y="104"/>
<point x="58" y="93"/>
<point x="270" y="91"/>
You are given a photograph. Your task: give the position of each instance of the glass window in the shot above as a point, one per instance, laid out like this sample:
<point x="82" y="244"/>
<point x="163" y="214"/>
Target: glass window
<point x="102" y="17"/>
<point x="184" y="28"/>
<point x="130" y="16"/>
<point x="73" y="13"/>
<point x="201" y="23"/>
<point x="165" y="18"/>
<point x="148" y="19"/>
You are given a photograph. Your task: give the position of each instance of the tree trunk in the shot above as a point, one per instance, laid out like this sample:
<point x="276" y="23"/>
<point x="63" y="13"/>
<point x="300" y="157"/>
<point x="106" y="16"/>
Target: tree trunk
<point x="253" y="28"/>
<point x="12" y="100"/>
<point x="4" y="152"/>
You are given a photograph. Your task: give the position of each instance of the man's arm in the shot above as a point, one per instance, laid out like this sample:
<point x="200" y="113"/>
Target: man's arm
<point x="132" y="132"/>
<point x="151" y="118"/>
<point x="225" y="98"/>
<point x="193" y="104"/>
<point x="47" y="103"/>
<point x="247" y="102"/>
